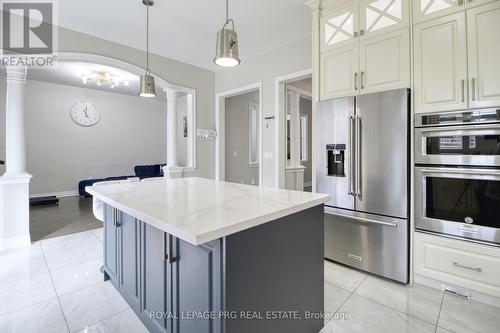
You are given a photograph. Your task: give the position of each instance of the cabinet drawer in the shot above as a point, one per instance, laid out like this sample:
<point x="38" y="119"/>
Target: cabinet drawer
<point x="458" y="262"/>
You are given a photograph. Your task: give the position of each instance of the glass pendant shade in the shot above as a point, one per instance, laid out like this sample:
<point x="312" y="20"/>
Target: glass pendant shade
<point x="148" y="87"/>
<point x="227" y="49"/>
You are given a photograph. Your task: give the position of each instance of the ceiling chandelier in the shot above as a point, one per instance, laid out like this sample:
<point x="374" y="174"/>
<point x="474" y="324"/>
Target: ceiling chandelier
<point x="227" y="44"/>
<point x="103" y="79"/>
<point x="148" y="88"/>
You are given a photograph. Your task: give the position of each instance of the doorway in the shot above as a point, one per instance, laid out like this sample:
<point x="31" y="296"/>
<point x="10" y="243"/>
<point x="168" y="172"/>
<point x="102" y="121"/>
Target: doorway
<point x="295" y="127"/>
<point x="239" y="135"/>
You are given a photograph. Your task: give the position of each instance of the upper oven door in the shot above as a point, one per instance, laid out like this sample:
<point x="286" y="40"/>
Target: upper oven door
<point x="472" y="145"/>
<point x="460" y="202"/>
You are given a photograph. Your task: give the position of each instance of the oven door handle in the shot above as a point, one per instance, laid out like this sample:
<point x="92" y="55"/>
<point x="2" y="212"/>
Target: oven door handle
<point x="460" y="171"/>
<point x="467" y="128"/>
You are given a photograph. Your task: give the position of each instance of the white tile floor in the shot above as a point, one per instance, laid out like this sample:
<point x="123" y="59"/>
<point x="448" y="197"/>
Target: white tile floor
<point x="56" y="286"/>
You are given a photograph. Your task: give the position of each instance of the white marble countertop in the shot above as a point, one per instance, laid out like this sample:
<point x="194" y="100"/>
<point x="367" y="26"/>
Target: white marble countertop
<point x="200" y="210"/>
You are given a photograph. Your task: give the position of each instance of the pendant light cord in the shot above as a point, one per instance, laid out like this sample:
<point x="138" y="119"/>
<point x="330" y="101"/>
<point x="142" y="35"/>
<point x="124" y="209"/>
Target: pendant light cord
<point x="228" y="20"/>
<point x="227" y="11"/>
<point x="147" y="37"/>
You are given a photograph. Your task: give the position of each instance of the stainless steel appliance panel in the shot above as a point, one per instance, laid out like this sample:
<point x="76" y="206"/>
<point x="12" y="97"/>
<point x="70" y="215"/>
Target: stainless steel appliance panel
<point x="473" y="145"/>
<point x="382" y="153"/>
<point x="334" y="127"/>
<point x="460" y="202"/>
<point x="368" y="242"/>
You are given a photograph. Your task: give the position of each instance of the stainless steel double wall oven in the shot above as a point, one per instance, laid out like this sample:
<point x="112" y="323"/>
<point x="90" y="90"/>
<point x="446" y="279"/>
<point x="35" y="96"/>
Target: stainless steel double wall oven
<point x="457" y="185"/>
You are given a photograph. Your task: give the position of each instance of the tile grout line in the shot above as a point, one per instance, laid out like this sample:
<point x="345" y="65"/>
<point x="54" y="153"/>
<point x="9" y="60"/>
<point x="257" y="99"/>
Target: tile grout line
<point x="55" y="290"/>
<point x="351" y="293"/>
<point x="97" y="322"/>
<point x="440" y="309"/>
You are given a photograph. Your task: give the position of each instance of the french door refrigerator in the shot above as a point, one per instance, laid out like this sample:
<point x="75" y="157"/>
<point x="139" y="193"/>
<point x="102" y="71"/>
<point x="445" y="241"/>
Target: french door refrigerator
<point x="362" y="146"/>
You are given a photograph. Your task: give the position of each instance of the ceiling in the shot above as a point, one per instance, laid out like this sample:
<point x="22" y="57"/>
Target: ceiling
<point x="185" y="30"/>
<point x="74" y="73"/>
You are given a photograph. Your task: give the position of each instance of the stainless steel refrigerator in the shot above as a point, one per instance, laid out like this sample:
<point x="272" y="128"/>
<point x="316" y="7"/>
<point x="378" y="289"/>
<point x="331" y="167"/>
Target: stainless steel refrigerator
<point x="362" y="149"/>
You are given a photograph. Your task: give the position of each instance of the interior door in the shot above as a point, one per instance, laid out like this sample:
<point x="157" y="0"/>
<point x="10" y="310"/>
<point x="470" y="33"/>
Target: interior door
<point x="333" y="128"/>
<point x="385" y="62"/>
<point x="382" y="146"/>
<point x="339" y="72"/>
<point x="483" y="27"/>
<point x="441" y="64"/>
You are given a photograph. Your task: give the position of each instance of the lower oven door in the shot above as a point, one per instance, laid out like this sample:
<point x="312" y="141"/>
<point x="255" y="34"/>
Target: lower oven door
<point x="459" y="202"/>
<point x="373" y="243"/>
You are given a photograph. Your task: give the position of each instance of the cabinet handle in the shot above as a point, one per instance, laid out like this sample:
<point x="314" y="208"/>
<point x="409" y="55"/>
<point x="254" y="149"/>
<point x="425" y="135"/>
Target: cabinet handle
<point x="362" y="80"/>
<point x="356" y="81"/>
<point x="473" y="88"/>
<point x="168" y="254"/>
<point x="356" y="34"/>
<point x="478" y="269"/>
<point x="362" y="32"/>
<point x="463" y="90"/>
<point x="113" y="216"/>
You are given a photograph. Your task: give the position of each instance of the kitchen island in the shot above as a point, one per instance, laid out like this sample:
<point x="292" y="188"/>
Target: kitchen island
<point x="195" y="255"/>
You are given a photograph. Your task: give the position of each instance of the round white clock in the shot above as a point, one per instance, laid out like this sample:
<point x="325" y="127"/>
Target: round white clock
<point x="85" y="114"/>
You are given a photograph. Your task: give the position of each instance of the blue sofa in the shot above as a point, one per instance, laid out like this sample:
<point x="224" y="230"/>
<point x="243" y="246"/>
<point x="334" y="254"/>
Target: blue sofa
<point x="141" y="171"/>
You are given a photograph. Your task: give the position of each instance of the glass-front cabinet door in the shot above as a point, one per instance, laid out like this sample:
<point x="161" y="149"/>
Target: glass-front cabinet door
<point x="382" y="16"/>
<point x="428" y="9"/>
<point x="340" y="27"/>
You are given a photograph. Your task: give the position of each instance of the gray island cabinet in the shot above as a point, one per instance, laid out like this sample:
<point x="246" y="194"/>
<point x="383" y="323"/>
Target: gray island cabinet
<point x="265" y="278"/>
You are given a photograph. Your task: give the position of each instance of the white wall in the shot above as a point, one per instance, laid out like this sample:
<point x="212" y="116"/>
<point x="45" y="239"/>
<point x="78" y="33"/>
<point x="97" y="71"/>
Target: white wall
<point x="237" y="139"/>
<point x="174" y="72"/>
<point x="60" y="153"/>
<point x="291" y="58"/>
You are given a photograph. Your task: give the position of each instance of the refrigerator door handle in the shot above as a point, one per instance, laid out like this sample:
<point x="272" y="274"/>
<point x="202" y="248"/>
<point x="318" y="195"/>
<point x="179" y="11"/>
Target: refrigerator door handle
<point x="351" y="156"/>
<point x="358" y="157"/>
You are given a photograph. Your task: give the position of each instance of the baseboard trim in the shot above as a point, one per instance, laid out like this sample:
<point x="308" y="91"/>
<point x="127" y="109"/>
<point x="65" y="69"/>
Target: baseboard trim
<point x="62" y="194"/>
<point x="476" y="295"/>
<point x="15" y="242"/>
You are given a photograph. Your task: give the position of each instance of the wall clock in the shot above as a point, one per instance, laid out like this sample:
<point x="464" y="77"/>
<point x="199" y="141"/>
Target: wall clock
<point x="85" y="114"/>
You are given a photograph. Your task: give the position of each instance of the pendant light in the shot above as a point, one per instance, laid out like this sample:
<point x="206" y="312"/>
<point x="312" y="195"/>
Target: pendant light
<point x="148" y="88"/>
<point x="227" y="44"/>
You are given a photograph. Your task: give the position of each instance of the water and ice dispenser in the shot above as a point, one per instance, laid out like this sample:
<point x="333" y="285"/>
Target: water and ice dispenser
<point x="336" y="160"/>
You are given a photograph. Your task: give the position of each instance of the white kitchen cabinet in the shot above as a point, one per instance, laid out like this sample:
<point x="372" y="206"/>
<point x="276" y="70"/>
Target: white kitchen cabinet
<point x="385" y="62"/>
<point x="382" y="16"/>
<point x="440" y="56"/>
<point x="424" y="10"/>
<point x="339" y="27"/>
<point x="483" y="28"/>
<point x="457" y="262"/>
<point x="475" y="3"/>
<point x="339" y="72"/>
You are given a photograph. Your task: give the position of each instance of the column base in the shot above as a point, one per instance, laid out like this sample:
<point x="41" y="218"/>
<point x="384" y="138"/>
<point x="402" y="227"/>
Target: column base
<point x="14" y="211"/>
<point x="172" y="172"/>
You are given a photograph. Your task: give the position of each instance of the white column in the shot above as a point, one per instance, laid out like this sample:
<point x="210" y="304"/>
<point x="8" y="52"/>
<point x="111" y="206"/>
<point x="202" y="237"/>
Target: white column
<point x="294" y="171"/>
<point x="14" y="184"/>
<point x="15" y="141"/>
<point x="294" y="108"/>
<point x="172" y="170"/>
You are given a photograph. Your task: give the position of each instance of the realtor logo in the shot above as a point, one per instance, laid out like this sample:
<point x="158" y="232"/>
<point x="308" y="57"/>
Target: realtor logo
<point x="28" y="32"/>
